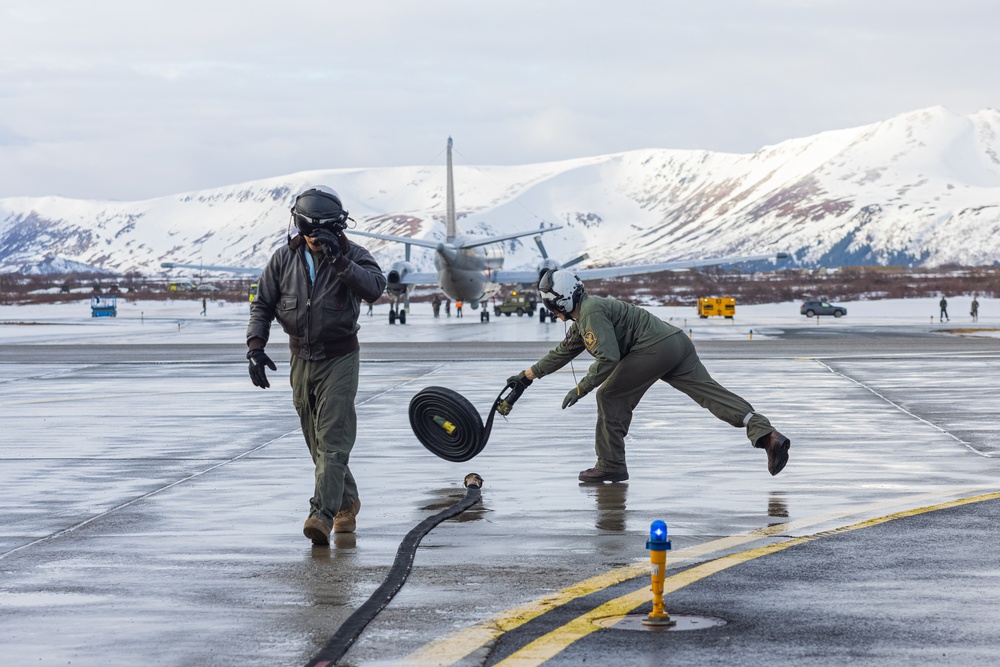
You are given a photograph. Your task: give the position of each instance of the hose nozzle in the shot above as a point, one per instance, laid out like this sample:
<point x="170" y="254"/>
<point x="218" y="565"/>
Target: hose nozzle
<point x="473" y="481"/>
<point x="506" y="403"/>
<point x="445" y="424"/>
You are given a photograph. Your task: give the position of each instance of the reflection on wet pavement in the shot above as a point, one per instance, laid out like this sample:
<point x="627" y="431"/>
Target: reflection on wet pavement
<point x="610" y="502"/>
<point x="157" y="508"/>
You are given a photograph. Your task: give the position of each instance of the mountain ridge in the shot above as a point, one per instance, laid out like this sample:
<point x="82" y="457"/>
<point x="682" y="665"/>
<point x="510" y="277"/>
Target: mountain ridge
<point x="919" y="189"/>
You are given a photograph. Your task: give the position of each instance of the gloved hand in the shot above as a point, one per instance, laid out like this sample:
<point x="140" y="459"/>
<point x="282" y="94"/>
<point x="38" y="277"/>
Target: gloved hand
<point x="329" y="241"/>
<point x="572" y="397"/>
<point x="520" y="381"/>
<point x="258" y="360"/>
<point x="345" y="245"/>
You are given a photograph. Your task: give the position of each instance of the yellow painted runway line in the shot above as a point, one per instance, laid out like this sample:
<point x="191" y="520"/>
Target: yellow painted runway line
<point x="549" y="645"/>
<point x="452" y="648"/>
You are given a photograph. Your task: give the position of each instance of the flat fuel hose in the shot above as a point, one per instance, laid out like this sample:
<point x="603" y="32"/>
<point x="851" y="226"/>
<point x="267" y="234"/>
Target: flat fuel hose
<point x="352" y="628"/>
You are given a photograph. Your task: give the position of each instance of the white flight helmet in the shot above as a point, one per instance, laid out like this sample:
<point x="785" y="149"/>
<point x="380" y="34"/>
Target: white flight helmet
<point x="560" y="290"/>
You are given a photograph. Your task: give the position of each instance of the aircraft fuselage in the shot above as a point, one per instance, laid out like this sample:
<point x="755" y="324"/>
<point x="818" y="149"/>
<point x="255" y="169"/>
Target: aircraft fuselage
<point x="464" y="273"/>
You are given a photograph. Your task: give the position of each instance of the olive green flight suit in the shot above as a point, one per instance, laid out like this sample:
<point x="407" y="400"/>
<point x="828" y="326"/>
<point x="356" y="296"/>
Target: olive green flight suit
<point x="632" y="349"/>
<point x="323" y="393"/>
<point x="317" y="302"/>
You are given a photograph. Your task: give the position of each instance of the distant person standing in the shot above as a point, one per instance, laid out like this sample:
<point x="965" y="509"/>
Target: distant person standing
<point x="975" y="310"/>
<point x="204" y="306"/>
<point x="436" y="306"/>
<point x="371" y="307"/>
<point x="458" y="309"/>
<point x="314" y="285"/>
<point x="447" y="307"/>
<point x="944" y="310"/>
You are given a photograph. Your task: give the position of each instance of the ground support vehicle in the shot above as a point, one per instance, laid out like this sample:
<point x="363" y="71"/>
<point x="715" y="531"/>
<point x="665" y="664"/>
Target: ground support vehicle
<point x="717" y="306"/>
<point x="103" y="306"/>
<point x="517" y="303"/>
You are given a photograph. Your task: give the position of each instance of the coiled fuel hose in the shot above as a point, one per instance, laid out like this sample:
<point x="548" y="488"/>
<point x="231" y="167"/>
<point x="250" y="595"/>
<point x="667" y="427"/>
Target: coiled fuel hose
<point x="448" y="425"/>
<point x="351" y="629"/>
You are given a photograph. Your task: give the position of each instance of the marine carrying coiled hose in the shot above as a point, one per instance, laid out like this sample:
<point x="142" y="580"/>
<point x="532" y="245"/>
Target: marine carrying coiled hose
<point x="448" y="425"/>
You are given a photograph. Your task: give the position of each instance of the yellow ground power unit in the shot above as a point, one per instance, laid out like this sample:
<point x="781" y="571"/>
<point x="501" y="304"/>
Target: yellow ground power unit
<point x="717" y="306"/>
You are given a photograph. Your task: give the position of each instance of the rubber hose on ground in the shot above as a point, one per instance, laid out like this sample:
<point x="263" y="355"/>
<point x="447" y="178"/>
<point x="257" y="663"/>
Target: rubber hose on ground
<point x="447" y="424"/>
<point x="345" y="636"/>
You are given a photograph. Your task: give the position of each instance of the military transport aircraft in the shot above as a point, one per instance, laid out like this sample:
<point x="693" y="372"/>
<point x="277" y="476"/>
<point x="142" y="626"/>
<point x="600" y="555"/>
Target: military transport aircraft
<point x="470" y="268"/>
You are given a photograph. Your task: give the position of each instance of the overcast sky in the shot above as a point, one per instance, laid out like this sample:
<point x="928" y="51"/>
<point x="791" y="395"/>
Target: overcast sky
<point x="134" y="99"/>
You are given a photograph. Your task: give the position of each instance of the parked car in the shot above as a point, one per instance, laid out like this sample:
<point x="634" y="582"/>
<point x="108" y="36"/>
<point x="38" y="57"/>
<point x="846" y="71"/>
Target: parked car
<point x="814" y="308"/>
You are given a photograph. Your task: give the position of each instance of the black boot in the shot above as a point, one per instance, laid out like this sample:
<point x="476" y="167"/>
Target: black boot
<point x="596" y="476"/>
<point x="776" y="446"/>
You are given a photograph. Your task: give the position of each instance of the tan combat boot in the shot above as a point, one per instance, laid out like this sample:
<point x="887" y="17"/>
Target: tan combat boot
<point x="317" y="530"/>
<point x="345" y="521"/>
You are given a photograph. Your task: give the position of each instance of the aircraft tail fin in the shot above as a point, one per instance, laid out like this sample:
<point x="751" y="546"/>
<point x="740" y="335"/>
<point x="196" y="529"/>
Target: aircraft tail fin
<point x="451" y="224"/>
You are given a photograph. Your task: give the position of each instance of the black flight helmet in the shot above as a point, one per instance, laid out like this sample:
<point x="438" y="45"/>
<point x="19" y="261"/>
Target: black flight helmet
<point x="316" y="208"/>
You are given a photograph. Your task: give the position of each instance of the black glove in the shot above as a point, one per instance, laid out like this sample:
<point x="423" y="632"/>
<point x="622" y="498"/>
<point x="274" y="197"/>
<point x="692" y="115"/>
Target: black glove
<point x="519" y="381"/>
<point x="258" y="360"/>
<point x="329" y="242"/>
<point x="517" y="384"/>
<point x="345" y="245"/>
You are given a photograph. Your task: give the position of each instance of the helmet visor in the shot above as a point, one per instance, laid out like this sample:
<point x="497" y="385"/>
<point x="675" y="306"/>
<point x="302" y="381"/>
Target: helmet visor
<point x="551" y="299"/>
<point x="307" y="226"/>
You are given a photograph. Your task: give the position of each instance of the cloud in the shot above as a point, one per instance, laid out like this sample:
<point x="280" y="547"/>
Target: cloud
<point x="132" y="100"/>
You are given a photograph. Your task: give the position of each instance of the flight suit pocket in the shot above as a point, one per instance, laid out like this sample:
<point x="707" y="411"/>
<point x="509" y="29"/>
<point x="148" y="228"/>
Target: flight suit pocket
<point x="286" y="314"/>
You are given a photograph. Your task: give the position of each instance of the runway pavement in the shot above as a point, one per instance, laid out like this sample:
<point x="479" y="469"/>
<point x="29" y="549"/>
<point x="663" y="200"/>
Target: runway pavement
<point x="152" y="502"/>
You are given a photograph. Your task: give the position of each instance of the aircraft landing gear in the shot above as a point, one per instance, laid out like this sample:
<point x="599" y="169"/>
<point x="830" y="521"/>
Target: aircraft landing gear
<point x="484" y="316"/>
<point x="397" y="315"/>
<point x="396" y="311"/>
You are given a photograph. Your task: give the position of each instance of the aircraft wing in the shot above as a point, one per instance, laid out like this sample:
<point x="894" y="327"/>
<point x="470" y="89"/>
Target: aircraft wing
<point x="254" y="270"/>
<point x="615" y="271"/>
<point x="472" y="242"/>
<point x="419" y="279"/>
<point x="529" y="276"/>
<point x="398" y="239"/>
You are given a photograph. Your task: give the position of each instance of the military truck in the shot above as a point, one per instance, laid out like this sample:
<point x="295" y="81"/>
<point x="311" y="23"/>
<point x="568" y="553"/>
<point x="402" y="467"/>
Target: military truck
<point x="520" y="303"/>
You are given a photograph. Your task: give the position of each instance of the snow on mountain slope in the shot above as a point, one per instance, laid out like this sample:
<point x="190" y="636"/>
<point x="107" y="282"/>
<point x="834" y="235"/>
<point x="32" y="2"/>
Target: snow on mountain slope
<point x="922" y="188"/>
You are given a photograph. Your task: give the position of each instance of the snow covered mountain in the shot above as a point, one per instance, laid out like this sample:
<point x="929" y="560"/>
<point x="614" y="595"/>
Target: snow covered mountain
<point x="919" y="189"/>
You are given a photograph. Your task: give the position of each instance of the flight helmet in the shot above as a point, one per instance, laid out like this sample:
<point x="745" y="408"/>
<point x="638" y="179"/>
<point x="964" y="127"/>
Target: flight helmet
<point x="561" y="290"/>
<point x="319" y="207"/>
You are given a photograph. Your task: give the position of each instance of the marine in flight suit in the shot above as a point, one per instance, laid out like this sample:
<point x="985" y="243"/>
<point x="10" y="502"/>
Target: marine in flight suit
<point x="632" y="349"/>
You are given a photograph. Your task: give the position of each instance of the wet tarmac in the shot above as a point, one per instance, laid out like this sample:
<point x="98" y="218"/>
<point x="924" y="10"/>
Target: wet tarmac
<point x="151" y="503"/>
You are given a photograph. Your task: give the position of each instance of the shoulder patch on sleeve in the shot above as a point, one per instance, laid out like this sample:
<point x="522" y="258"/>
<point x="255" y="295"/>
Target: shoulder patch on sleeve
<point x="589" y="340"/>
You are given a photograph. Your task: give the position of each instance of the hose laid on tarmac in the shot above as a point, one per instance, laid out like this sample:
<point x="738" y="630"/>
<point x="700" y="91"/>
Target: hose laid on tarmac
<point x="351" y="629"/>
<point x="448" y="425"/>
